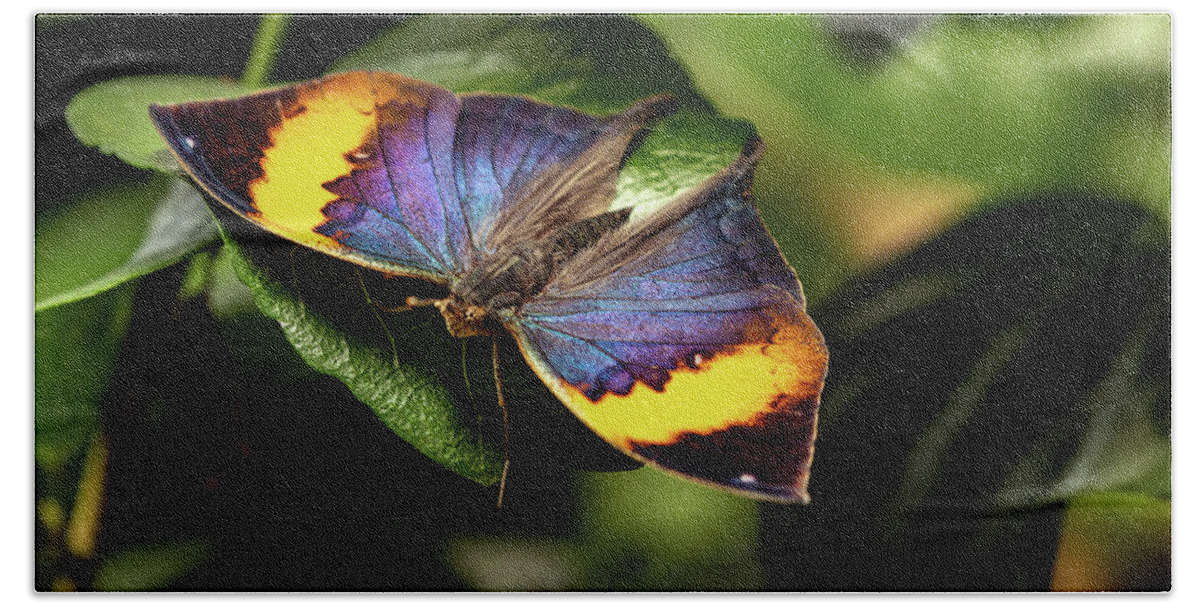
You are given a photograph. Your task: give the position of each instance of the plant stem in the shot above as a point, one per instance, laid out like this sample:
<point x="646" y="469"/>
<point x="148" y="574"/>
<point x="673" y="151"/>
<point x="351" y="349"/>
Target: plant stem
<point x="266" y="47"/>
<point x="85" y="516"/>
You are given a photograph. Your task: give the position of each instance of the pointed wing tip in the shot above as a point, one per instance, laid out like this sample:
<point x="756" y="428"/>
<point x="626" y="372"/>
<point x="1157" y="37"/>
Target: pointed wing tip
<point x="798" y="496"/>
<point x="161" y="116"/>
<point x="159" y="112"/>
<point x="783" y="494"/>
<point x="654" y="107"/>
<point x="753" y="149"/>
<point x="800" y="493"/>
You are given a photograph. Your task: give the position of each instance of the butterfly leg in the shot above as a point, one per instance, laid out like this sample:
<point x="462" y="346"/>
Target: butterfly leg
<point x="503" y="414"/>
<point x="410" y="303"/>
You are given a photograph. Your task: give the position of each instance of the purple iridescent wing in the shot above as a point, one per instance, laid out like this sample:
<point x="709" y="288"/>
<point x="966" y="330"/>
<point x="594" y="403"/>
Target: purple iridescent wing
<point x="525" y="169"/>
<point x="356" y="165"/>
<point x="682" y="340"/>
<point x="397" y="174"/>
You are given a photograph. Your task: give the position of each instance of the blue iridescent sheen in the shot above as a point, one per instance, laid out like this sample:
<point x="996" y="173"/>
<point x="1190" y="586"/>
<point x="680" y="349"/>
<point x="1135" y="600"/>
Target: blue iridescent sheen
<point x="404" y="179"/>
<point x="502" y="143"/>
<point x="505" y="202"/>
<point x="715" y="279"/>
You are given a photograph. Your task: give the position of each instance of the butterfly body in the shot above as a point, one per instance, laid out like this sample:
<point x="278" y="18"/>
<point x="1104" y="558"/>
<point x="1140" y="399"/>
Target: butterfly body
<point x="679" y="337"/>
<point x="496" y="288"/>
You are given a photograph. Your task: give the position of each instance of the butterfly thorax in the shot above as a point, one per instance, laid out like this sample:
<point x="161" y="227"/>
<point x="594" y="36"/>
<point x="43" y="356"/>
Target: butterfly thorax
<point x="496" y="289"/>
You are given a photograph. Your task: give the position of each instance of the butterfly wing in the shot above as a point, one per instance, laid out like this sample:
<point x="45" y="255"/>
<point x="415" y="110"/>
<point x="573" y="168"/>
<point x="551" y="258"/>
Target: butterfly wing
<point x="397" y="174"/>
<point x="526" y="168"/>
<point x="682" y="340"/>
<point x="356" y="165"/>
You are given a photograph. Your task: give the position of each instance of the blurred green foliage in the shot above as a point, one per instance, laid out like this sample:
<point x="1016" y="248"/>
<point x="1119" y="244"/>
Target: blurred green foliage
<point x="114" y="236"/>
<point x="1003" y="105"/>
<point x="1007" y="102"/>
<point x="1017" y="363"/>
<point x="75" y="346"/>
<point x="149" y="568"/>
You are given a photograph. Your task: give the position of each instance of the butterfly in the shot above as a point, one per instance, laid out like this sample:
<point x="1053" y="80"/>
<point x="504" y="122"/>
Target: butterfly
<point x="679" y="337"/>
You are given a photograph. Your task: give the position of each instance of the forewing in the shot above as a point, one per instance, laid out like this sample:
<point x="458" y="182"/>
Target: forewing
<point x="526" y="168"/>
<point x="357" y="165"/>
<point x="683" y="341"/>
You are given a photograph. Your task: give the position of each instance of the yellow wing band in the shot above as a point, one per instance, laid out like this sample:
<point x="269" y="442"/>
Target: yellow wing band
<point x="312" y="146"/>
<point x="732" y="388"/>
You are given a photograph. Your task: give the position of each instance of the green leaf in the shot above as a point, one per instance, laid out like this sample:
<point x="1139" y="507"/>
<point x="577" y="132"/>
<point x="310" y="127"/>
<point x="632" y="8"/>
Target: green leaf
<point x="685" y="151"/>
<point x="150" y="567"/>
<point x="411" y="401"/>
<point x="114" y="236"/>
<point x="1011" y="103"/>
<point x="75" y="347"/>
<point x="266" y="47"/>
<point x="114" y="116"/>
<point x="1017" y="362"/>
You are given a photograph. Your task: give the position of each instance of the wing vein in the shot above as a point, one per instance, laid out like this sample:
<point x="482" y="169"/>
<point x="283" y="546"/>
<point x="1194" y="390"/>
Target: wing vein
<point x="618" y="360"/>
<point x="437" y="187"/>
<point x="387" y="171"/>
<point x="592" y="344"/>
